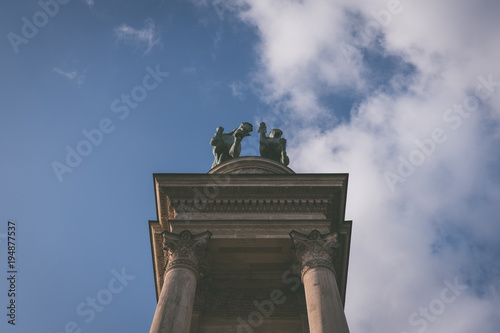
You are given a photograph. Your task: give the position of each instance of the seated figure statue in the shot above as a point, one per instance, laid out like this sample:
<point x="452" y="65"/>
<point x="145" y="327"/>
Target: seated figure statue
<point x="228" y="145"/>
<point x="274" y="146"/>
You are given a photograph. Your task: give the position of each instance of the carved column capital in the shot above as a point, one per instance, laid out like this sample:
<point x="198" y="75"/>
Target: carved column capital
<point x="185" y="249"/>
<point x="315" y="250"/>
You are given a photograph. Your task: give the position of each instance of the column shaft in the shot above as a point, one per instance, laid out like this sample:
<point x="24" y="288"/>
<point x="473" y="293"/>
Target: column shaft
<point x="324" y="306"/>
<point x="175" y="305"/>
<point x="315" y="253"/>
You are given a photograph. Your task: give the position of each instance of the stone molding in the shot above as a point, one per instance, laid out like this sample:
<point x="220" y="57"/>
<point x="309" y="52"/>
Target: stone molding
<point x="222" y="229"/>
<point x="315" y="250"/>
<point x="188" y="202"/>
<point x="185" y="249"/>
<point x="196" y="196"/>
<point x="189" y="208"/>
<point x="251" y="165"/>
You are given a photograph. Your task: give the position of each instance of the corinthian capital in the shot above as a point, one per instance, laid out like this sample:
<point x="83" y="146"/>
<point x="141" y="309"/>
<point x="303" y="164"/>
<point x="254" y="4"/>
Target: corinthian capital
<point x="185" y="249"/>
<point x="315" y="250"/>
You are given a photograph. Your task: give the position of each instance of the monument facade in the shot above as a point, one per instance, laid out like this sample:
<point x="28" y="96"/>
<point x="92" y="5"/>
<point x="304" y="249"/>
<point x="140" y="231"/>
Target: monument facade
<point x="250" y="246"/>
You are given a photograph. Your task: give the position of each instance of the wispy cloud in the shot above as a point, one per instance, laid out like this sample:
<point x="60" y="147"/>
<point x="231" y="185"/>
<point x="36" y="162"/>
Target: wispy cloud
<point x="74" y="76"/>
<point x="237" y="90"/>
<point x="89" y="3"/>
<point x="147" y="36"/>
<point x="189" y="70"/>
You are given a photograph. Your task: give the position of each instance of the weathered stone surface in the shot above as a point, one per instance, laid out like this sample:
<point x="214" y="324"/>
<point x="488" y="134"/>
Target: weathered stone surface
<point x="175" y="304"/>
<point x="185" y="249"/>
<point x="315" y="253"/>
<point x="234" y="302"/>
<point x="251" y="228"/>
<point x="251" y="165"/>
<point x="315" y="249"/>
<point x="242" y="324"/>
<point x="251" y="205"/>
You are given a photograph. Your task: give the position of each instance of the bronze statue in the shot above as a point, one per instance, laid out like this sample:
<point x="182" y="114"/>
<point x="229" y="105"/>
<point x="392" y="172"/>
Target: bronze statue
<point x="228" y="145"/>
<point x="274" y="146"/>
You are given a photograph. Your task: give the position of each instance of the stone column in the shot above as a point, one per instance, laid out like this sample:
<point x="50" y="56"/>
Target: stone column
<point x="175" y="304"/>
<point x="324" y="306"/>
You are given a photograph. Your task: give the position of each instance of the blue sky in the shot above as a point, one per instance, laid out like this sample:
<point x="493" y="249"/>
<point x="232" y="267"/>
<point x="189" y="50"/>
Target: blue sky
<point x="403" y="96"/>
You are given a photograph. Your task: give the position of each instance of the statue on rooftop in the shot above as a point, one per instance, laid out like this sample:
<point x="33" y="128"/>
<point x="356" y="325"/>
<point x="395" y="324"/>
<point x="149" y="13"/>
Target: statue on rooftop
<point x="274" y="146"/>
<point x="228" y="145"/>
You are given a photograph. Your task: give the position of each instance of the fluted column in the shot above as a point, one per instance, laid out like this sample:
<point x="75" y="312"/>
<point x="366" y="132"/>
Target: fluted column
<point x="175" y="304"/>
<point x="324" y="305"/>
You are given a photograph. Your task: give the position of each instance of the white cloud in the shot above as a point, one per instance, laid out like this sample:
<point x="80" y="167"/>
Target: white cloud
<point x="292" y="36"/>
<point x="73" y="76"/>
<point x="146" y="37"/>
<point x="441" y="222"/>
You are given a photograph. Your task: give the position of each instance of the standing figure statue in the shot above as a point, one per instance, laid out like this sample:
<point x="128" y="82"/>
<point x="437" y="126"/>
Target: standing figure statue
<point x="228" y="145"/>
<point x="274" y="146"/>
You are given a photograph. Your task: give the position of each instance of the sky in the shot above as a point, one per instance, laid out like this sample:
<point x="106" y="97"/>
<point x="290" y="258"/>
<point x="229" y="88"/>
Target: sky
<point x="402" y="95"/>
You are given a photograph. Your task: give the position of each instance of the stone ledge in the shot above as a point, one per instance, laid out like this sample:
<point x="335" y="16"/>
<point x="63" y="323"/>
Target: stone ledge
<point x="251" y="165"/>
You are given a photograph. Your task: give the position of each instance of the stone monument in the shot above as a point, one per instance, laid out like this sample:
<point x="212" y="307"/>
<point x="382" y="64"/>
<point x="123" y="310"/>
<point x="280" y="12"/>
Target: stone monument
<point x="250" y="246"/>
